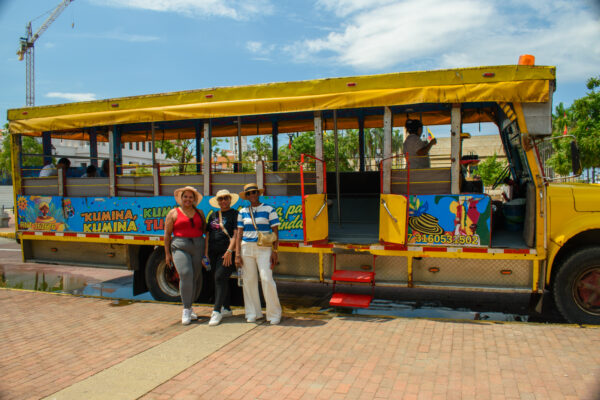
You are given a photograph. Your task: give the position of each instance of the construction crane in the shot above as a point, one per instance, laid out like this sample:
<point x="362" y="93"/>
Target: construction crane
<point x="26" y="50"/>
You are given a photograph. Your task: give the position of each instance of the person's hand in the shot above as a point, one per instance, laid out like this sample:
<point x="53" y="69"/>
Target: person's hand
<point x="238" y="260"/>
<point x="169" y="260"/>
<point x="227" y="259"/>
<point x="433" y="141"/>
<point x="273" y="259"/>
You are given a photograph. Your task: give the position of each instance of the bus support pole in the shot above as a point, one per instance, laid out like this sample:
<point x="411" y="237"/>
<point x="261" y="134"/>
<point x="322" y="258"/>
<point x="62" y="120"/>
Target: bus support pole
<point x="198" y="129"/>
<point x="111" y="162"/>
<point x="337" y="168"/>
<point x="206" y="160"/>
<point x="47" y="147"/>
<point x="239" y="146"/>
<point x="275" y="133"/>
<point x="319" y="150"/>
<point x="455" y="122"/>
<point x="361" y="141"/>
<point x="387" y="151"/>
<point x="93" y="147"/>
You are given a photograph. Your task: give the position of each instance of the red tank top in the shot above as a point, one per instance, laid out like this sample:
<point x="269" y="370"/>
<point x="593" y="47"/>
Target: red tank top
<point x="183" y="225"/>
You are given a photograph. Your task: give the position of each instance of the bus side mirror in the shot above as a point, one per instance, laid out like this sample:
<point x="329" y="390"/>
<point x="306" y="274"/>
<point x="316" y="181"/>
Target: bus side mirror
<point x="575" y="160"/>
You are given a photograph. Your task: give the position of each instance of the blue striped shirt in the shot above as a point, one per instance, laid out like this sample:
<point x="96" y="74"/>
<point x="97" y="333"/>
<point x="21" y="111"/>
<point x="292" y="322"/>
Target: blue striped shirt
<point x="265" y="218"/>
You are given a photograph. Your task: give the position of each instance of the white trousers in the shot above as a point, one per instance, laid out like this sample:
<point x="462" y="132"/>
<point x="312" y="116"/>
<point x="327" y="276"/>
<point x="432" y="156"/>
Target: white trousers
<point x="257" y="260"/>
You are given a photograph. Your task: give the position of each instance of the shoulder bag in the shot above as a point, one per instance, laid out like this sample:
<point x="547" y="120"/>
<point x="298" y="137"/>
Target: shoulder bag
<point x="264" y="239"/>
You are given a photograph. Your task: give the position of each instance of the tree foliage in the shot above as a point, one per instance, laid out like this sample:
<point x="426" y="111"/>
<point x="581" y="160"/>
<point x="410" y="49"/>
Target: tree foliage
<point x="348" y="148"/>
<point x="30" y="146"/>
<point x="183" y="151"/>
<point x="490" y="169"/>
<point x="582" y="120"/>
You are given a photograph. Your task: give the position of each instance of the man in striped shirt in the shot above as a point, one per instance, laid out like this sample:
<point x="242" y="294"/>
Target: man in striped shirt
<point x="256" y="259"/>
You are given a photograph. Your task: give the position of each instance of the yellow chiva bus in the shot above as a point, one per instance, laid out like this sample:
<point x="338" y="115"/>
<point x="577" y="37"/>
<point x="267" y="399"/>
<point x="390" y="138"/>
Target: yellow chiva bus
<point x="383" y="224"/>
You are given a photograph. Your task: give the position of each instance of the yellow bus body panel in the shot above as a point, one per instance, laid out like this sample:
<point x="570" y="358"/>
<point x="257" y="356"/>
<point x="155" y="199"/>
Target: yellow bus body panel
<point x="317" y="226"/>
<point x="391" y="231"/>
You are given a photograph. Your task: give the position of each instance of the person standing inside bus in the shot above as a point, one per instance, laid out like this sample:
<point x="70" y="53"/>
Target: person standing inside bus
<point x="187" y="224"/>
<point x="221" y="235"/>
<point x="254" y="259"/>
<point x="417" y="149"/>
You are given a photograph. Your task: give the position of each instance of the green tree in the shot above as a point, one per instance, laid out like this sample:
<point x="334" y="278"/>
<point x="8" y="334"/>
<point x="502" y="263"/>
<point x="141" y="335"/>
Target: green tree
<point x="30" y="146"/>
<point x="582" y="120"/>
<point x="490" y="169"/>
<point x="348" y="148"/>
<point x="184" y="151"/>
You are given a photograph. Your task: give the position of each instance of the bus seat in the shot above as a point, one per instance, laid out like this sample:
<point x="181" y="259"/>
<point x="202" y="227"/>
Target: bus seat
<point x="422" y="181"/>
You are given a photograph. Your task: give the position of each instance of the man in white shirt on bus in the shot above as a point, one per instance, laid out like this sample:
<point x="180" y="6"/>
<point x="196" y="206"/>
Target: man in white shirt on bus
<point x="51" y="170"/>
<point x="417" y="149"/>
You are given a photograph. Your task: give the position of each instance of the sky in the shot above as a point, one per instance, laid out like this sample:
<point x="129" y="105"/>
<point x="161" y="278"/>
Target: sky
<point x="100" y="49"/>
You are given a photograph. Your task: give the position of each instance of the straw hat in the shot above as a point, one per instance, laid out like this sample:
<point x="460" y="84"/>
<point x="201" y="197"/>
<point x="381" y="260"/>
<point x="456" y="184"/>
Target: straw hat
<point x="250" y="187"/>
<point x="223" y="193"/>
<point x="179" y="192"/>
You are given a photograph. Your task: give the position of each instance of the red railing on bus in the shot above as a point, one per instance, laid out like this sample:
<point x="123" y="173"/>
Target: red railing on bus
<point x="302" y="172"/>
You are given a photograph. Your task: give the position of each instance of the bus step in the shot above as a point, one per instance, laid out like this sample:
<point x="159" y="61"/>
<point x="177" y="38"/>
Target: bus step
<point x="353" y="276"/>
<point x="350" y="300"/>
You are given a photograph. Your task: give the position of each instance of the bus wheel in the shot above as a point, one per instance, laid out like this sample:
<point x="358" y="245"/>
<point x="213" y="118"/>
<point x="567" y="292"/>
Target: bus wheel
<point x="162" y="281"/>
<point x="577" y="287"/>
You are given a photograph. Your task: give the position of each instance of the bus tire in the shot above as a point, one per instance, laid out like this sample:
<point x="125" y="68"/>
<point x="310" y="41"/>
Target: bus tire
<point x="576" y="287"/>
<point x="163" y="282"/>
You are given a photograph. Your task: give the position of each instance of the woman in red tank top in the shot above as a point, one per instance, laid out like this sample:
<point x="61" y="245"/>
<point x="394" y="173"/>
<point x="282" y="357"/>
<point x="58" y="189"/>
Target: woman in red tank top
<point x="185" y="249"/>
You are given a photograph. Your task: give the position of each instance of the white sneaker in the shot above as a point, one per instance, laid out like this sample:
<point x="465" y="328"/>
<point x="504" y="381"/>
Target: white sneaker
<point x="186" y="316"/>
<point x="253" y="319"/>
<point x="215" y="318"/>
<point x="275" y="321"/>
<point x="226" y="313"/>
<point x="193" y="315"/>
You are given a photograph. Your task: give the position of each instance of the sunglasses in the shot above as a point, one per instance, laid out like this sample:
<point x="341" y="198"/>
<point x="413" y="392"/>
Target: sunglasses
<point x="252" y="192"/>
<point x="223" y="198"/>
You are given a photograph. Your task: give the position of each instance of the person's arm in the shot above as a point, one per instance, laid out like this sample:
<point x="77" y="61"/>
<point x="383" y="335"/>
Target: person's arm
<point x="204" y="221"/>
<point x="168" y="232"/>
<point x="274" y="257"/>
<point x="423" y="151"/>
<point x="238" y="246"/>
<point x="206" y="243"/>
<point x="230" y="249"/>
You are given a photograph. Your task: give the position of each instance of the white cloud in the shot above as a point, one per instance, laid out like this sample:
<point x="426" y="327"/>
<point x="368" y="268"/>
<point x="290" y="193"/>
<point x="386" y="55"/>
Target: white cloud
<point x="72" y="96"/>
<point x="379" y="35"/>
<point x="259" y="48"/>
<point x="235" y="9"/>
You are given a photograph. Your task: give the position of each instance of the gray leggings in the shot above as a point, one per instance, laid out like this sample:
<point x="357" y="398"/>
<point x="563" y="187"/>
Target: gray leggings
<point x="187" y="257"/>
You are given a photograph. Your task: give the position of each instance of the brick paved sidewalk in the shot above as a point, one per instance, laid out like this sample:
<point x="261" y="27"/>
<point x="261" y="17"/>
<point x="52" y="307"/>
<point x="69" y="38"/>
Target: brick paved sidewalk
<point x="51" y="342"/>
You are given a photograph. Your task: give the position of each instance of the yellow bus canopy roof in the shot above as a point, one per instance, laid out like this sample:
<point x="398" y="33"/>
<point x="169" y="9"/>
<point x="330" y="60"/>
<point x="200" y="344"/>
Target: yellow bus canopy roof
<point x="513" y="83"/>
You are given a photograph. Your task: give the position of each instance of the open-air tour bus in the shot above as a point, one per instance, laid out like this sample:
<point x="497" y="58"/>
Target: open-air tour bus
<point x="381" y="223"/>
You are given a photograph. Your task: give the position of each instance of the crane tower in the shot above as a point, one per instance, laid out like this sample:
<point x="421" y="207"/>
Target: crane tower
<point x="26" y="50"/>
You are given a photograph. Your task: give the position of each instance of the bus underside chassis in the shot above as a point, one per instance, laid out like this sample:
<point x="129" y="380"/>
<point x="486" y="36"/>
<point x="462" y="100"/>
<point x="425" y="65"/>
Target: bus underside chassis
<point x="576" y="286"/>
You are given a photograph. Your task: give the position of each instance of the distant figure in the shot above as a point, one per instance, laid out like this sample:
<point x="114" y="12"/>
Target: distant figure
<point x="104" y="169"/>
<point x="90" y="172"/>
<point x="51" y="170"/>
<point x="417" y="149"/>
